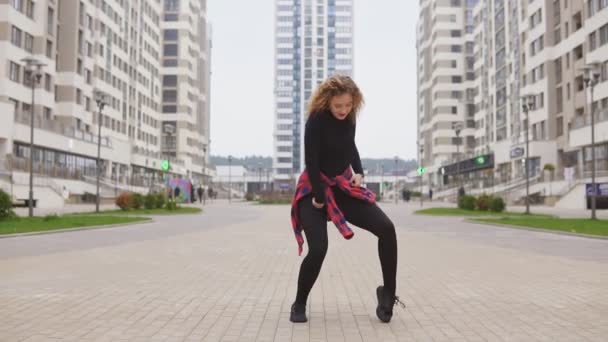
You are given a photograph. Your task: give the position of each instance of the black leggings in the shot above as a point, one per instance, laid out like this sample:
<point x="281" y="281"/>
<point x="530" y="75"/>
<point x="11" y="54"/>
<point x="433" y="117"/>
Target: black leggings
<point x="364" y="215"/>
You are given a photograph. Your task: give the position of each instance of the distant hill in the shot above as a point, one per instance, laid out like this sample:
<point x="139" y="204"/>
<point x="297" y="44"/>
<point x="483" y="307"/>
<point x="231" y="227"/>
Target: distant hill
<point x="372" y="165"/>
<point x="250" y="162"/>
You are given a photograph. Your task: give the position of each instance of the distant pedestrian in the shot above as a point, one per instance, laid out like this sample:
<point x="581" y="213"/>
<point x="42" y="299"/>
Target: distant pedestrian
<point x="200" y="192"/>
<point x="431" y="195"/>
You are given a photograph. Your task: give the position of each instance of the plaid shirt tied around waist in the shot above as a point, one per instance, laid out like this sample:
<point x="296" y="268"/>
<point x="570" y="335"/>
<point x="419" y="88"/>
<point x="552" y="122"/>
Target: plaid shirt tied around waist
<point x="334" y="213"/>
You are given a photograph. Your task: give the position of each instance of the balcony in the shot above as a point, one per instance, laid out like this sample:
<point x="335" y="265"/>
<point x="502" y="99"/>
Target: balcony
<point x="580" y="135"/>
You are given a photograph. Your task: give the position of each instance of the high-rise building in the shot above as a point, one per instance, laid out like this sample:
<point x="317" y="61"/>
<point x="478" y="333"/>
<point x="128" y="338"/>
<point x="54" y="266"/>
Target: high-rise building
<point x="185" y="84"/>
<point x="313" y="40"/>
<point x="118" y="48"/>
<point x="445" y="81"/>
<point x="513" y="50"/>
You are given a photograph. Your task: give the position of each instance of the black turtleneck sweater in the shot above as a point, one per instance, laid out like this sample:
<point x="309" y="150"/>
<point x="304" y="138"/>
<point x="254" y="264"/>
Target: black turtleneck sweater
<point x="329" y="148"/>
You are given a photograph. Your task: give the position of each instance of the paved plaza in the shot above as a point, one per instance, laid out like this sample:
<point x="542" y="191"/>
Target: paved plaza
<point x="230" y="274"/>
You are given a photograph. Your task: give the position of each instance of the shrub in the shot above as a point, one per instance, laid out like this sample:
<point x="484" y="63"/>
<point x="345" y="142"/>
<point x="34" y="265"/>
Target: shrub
<point x="497" y="204"/>
<point x="171" y="205"/>
<point x="160" y="200"/>
<point x="125" y="201"/>
<point x="483" y="202"/>
<point x="275" y="198"/>
<point x="138" y="200"/>
<point x="466" y="202"/>
<point x="6" y="205"/>
<point x="249" y="196"/>
<point x="50" y="217"/>
<point x="150" y="201"/>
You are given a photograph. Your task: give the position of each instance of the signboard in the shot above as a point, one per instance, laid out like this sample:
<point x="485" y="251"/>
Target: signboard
<point x="517" y="152"/>
<point x="283" y="186"/>
<point x="600" y="188"/>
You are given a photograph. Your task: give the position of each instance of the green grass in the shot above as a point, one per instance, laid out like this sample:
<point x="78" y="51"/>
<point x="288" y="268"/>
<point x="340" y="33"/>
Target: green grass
<point x="178" y="211"/>
<point x="275" y="202"/>
<point x="472" y="213"/>
<point x="581" y="226"/>
<point x="39" y="224"/>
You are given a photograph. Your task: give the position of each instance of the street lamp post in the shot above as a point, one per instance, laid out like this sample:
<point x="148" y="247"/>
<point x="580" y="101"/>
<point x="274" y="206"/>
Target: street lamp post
<point x="421" y="175"/>
<point x="229" y="179"/>
<point x="591" y="79"/>
<point x="100" y="98"/>
<point x="528" y="103"/>
<point x="204" y="173"/>
<point x="396" y="173"/>
<point x="457" y="126"/>
<point x="34" y="67"/>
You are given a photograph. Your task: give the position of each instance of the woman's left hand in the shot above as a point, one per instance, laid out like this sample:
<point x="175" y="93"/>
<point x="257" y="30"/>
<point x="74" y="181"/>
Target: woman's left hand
<point x="356" y="180"/>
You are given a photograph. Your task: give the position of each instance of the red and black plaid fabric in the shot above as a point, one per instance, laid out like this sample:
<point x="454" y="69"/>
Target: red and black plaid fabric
<point x="333" y="212"/>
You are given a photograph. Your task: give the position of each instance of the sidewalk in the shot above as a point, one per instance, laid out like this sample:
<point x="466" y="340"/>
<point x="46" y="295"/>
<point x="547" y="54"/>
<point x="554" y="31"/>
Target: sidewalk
<point x="212" y="277"/>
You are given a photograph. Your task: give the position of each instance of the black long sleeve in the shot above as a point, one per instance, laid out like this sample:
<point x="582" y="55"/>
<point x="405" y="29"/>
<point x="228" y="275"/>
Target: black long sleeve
<point x="312" y="154"/>
<point x="356" y="163"/>
<point x="329" y="148"/>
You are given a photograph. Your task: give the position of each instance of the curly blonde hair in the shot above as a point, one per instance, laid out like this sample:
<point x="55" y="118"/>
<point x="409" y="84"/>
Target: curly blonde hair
<point x="335" y="86"/>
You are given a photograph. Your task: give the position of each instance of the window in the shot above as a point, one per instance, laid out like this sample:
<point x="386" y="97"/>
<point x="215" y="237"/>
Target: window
<point x="592" y="41"/>
<point x="560" y="99"/>
<point x="456" y="48"/>
<point x="14" y="72"/>
<point x="47" y="82"/>
<point x="50" y="21"/>
<point x="29" y="43"/>
<point x="169" y="95"/>
<point x="170" y="109"/>
<point x="79" y="96"/>
<point x="557" y="35"/>
<point x="171" y="17"/>
<point x="604" y="35"/>
<point x="170" y="34"/>
<point x="560" y="126"/>
<point x="558" y="70"/>
<point x="16" y="36"/>
<point x="170" y="50"/>
<point x="171" y="5"/>
<point x="18" y="5"/>
<point x="49" y="49"/>
<point x="29" y="11"/>
<point x="170" y="80"/>
<point x="578" y="52"/>
<point x="536" y="19"/>
<point x="47" y="113"/>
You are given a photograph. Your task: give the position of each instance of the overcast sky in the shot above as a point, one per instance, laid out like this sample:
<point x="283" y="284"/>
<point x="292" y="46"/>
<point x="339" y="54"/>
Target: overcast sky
<point x="242" y="77"/>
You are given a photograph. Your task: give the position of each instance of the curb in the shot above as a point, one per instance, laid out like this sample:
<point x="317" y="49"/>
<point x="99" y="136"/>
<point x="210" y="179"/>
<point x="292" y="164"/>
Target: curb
<point x="539" y="230"/>
<point x="67" y="230"/>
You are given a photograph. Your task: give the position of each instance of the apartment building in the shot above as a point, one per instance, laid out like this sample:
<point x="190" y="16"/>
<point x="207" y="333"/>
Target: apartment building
<point x="313" y="40"/>
<point x="114" y="47"/>
<point x="534" y="49"/>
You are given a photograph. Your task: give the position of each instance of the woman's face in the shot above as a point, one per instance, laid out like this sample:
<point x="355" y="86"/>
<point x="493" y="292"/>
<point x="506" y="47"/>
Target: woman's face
<point x="341" y="105"/>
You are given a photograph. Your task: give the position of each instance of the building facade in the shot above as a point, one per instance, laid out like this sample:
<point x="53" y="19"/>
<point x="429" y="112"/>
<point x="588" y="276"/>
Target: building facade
<point x="513" y="50"/>
<point x="313" y="40"/>
<point x="116" y="47"/>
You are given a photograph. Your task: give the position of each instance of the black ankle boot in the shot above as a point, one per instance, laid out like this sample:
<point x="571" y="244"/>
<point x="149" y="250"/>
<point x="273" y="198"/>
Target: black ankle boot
<point x="298" y="313"/>
<point x="384" y="310"/>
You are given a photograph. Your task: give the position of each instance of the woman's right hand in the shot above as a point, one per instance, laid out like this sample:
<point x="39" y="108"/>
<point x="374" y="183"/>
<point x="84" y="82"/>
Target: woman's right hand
<point x="317" y="205"/>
